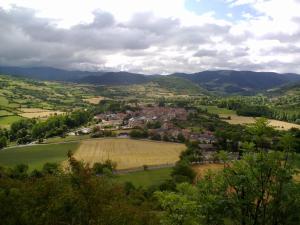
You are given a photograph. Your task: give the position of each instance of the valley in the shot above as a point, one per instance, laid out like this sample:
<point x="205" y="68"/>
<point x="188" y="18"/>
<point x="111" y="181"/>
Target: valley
<point x="150" y="112"/>
<point x="145" y="136"/>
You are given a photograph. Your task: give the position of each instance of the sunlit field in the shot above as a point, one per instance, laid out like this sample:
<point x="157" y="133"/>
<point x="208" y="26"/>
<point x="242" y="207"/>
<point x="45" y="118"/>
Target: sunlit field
<point x="128" y="153"/>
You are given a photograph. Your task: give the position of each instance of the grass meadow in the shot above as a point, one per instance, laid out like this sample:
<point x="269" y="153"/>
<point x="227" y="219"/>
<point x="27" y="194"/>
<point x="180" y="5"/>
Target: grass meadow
<point x="146" y="178"/>
<point x="37" y="155"/>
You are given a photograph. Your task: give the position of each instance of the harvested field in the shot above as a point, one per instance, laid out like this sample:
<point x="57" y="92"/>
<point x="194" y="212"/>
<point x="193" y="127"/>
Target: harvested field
<point x="128" y="153"/>
<point x="280" y="125"/>
<point x="38" y="113"/>
<point x="94" y="100"/>
<point x="201" y="170"/>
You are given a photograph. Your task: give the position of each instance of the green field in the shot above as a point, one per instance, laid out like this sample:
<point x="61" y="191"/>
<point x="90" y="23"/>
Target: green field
<point x="17" y="93"/>
<point x="3" y="101"/>
<point x="67" y="139"/>
<point x="5" y="113"/>
<point x="35" y="156"/>
<point x="146" y="178"/>
<point x="7" y="120"/>
<point x="216" y="110"/>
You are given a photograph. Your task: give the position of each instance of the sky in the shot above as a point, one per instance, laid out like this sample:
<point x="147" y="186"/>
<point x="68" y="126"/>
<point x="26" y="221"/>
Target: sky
<point x="152" y="36"/>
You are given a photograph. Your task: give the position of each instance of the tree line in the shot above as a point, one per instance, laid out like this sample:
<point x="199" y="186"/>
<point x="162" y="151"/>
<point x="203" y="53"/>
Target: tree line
<point x="27" y="130"/>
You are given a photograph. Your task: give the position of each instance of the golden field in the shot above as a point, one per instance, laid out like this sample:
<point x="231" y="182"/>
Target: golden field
<point x="128" y="153"/>
<point x="94" y="100"/>
<point x="38" y="113"/>
<point x="280" y="125"/>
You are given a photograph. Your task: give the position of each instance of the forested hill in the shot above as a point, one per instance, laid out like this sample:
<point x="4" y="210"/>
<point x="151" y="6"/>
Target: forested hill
<point x="243" y="82"/>
<point x="47" y="73"/>
<point x="116" y="78"/>
<point x="221" y="82"/>
<point x="288" y="90"/>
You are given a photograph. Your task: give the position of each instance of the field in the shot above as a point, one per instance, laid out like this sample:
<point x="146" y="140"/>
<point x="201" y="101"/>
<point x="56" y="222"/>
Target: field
<point x="155" y="177"/>
<point x="94" y="100"/>
<point x="5" y="113"/>
<point x="281" y="125"/>
<point x="129" y="153"/>
<point x="70" y="138"/>
<point x="235" y="119"/>
<point x="37" y="113"/>
<point x="146" y="178"/>
<point x="39" y="99"/>
<point x="7" y="120"/>
<point x="36" y="156"/>
<point x="216" y="110"/>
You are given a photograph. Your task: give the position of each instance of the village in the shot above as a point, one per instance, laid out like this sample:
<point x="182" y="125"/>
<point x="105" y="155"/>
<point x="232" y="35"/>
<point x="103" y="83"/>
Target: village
<point x="159" y="122"/>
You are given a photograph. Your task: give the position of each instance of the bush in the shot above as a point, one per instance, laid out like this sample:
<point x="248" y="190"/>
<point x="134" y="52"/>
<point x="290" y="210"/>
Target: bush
<point x="3" y="142"/>
<point x="156" y="137"/>
<point x="138" y="134"/>
<point x="183" y="169"/>
<point x="181" y="138"/>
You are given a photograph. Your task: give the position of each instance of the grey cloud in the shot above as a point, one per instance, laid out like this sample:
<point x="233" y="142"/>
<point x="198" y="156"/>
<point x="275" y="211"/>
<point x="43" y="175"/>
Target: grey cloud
<point x="288" y="49"/>
<point x="28" y="40"/>
<point x="147" y="21"/>
<point x="206" y="53"/>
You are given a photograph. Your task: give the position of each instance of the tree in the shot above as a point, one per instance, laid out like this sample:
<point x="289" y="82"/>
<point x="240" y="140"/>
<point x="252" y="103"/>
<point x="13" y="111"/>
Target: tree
<point x="261" y="132"/>
<point x="51" y="168"/>
<point x="179" y="208"/>
<point x="183" y="172"/>
<point x="257" y="190"/>
<point x="3" y="142"/>
<point x="180" y="138"/>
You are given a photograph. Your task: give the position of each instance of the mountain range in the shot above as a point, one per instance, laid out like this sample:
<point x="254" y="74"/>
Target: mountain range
<point x="220" y="81"/>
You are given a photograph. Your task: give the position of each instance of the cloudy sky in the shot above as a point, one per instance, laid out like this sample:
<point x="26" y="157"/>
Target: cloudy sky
<point x="152" y="36"/>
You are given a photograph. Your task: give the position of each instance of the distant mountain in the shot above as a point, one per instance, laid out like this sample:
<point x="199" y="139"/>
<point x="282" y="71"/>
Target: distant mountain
<point x="242" y="82"/>
<point x="46" y="73"/>
<point x="220" y="82"/>
<point x="178" y="84"/>
<point x="287" y="90"/>
<point x="53" y="74"/>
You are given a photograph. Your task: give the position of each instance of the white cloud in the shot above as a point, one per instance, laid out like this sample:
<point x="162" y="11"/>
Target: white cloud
<point x="151" y="36"/>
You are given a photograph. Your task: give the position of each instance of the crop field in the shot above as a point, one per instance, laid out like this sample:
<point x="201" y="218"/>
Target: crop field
<point x="280" y="125"/>
<point x="39" y="99"/>
<point x="129" y="153"/>
<point x="38" y="113"/>
<point x="94" y="100"/>
<point x="217" y="110"/>
<point x="7" y="120"/>
<point x="5" y="113"/>
<point x="37" y="155"/>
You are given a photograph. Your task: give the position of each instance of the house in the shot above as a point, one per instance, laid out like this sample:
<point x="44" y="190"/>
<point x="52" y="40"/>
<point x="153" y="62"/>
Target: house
<point x="85" y="130"/>
<point x="136" y="122"/>
<point x="207" y="147"/>
<point x="168" y="125"/>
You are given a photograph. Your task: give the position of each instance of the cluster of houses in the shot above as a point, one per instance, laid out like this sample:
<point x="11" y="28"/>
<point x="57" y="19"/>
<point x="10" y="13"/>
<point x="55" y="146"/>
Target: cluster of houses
<point x="154" y="114"/>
